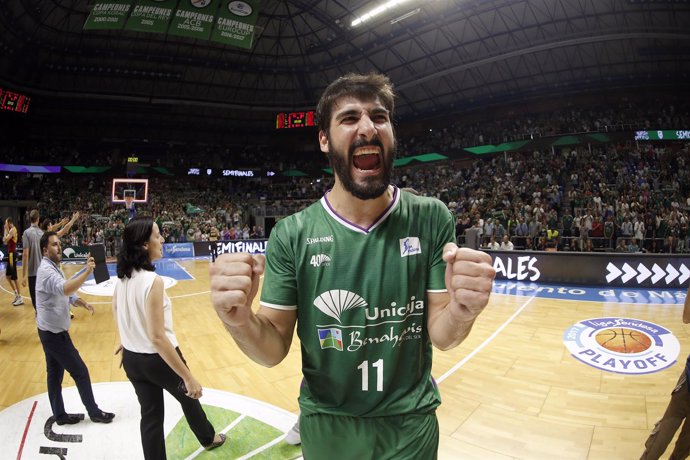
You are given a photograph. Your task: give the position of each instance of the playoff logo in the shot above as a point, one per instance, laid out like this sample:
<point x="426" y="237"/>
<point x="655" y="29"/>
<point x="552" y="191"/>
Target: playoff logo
<point x="622" y="345"/>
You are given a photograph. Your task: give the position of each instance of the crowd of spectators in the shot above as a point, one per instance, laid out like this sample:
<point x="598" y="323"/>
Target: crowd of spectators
<point x="516" y="126"/>
<point x="622" y="197"/>
<point x="471" y="130"/>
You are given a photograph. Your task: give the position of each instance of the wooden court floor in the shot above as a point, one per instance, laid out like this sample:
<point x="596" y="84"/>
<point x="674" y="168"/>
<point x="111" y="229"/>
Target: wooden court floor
<point x="510" y="391"/>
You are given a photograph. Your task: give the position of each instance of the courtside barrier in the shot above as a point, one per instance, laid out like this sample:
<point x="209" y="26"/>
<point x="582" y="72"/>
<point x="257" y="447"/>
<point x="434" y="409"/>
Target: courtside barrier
<point x="72" y="253"/>
<point x="203" y="248"/>
<point x="178" y="250"/>
<point x="593" y="269"/>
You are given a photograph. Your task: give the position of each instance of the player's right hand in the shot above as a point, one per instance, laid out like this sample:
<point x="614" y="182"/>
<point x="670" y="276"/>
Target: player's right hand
<point x="234" y="284"/>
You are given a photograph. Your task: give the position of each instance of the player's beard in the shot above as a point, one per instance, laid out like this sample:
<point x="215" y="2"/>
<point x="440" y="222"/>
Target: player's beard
<point x="370" y="187"/>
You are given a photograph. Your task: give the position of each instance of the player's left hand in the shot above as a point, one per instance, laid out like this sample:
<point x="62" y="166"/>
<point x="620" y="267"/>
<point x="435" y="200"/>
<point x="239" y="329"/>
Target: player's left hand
<point x="469" y="280"/>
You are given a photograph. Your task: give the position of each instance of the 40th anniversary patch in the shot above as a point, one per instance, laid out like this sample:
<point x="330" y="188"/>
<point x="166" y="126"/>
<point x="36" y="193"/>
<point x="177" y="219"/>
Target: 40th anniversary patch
<point x="622" y="345"/>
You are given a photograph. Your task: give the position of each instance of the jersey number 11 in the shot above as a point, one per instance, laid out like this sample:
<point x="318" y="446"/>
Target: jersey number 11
<point x="364" y="367"/>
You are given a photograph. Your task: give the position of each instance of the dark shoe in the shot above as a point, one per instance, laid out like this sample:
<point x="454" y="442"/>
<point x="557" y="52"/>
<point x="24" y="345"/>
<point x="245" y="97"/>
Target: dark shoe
<point x="102" y="417"/>
<point x="69" y="419"/>
<point x="215" y="444"/>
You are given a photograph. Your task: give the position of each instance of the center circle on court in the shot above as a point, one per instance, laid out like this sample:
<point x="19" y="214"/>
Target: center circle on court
<point x="254" y="428"/>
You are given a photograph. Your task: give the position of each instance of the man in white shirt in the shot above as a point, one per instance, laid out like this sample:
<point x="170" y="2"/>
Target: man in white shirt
<point x="492" y="244"/>
<point x="506" y="244"/>
<point x="54" y="294"/>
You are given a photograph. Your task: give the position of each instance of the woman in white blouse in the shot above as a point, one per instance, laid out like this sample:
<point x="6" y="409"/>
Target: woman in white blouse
<point x="150" y="353"/>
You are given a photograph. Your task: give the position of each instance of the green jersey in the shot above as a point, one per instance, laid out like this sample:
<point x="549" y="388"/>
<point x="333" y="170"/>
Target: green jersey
<point x="361" y="300"/>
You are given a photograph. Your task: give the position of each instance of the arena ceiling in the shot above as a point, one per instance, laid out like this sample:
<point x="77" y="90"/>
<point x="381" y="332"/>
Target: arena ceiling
<point x="444" y="56"/>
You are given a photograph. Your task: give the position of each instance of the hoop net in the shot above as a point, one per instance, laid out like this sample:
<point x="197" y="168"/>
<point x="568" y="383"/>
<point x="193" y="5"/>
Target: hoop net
<point x="129" y="202"/>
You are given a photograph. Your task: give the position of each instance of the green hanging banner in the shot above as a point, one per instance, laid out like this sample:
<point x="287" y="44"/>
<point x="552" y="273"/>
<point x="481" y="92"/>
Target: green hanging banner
<point x="108" y="14"/>
<point x="235" y="23"/>
<point x="194" y="18"/>
<point x="151" y="15"/>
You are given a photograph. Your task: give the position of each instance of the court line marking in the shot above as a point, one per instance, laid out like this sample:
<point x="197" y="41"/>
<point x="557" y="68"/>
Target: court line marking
<point x="266" y="446"/>
<point x="227" y="428"/>
<point x="453" y="369"/>
<point x="26" y="430"/>
<point x="176" y="262"/>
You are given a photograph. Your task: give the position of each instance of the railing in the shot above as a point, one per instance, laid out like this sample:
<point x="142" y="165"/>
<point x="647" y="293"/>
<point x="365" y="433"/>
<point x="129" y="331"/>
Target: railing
<point x="591" y="244"/>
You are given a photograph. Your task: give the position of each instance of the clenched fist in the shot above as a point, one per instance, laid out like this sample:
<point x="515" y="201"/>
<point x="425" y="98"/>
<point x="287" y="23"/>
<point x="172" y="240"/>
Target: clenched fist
<point x="234" y="284"/>
<point x="469" y="280"/>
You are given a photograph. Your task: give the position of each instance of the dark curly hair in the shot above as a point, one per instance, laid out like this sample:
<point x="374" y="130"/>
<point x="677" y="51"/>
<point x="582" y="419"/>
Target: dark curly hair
<point x="132" y="255"/>
<point x="365" y="87"/>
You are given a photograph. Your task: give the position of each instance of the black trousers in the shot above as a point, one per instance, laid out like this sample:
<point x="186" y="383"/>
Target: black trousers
<point x="32" y="290"/>
<point x="61" y="355"/>
<point x="150" y="375"/>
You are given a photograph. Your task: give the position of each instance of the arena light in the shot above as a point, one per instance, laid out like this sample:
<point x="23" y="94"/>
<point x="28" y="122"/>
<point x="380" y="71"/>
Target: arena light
<point x="389" y="5"/>
<point x="405" y="16"/>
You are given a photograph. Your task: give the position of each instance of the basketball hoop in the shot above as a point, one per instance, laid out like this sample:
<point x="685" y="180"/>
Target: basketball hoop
<point x="129" y="202"/>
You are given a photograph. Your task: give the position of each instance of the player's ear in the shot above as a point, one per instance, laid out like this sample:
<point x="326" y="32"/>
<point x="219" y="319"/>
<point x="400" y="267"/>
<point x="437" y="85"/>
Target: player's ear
<point x="323" y="141"/>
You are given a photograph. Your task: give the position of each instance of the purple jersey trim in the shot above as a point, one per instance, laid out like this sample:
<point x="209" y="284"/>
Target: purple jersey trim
<point x="327" y="205"/>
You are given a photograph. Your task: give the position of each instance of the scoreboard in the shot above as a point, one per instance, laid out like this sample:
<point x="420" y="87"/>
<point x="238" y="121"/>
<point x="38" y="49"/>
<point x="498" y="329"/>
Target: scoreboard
<point x="289" y="120"/>
<point x="13" y="101"/>
<point x="663" y="135"/>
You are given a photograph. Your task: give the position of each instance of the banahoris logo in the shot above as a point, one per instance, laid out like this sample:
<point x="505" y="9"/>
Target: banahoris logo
<point x="390" y="325"/>
<point x="622" y="345"/>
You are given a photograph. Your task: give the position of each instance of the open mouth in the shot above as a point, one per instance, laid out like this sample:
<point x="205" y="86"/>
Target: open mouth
<point x="367" y="158"/>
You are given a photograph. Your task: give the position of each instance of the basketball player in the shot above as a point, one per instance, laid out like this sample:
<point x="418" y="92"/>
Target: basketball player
<point x="31" y="255"/>
<point x="677" y="413"/>
<point x="10" y="239"/>
<point x="62" y="227"/>
<point x="372" y="278"/>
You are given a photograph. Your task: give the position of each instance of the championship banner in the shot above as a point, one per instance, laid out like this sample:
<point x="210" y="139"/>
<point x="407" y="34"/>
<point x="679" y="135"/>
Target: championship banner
<point x="151" y="16"/>
<point x="235" y="23"/>
<point x="108" y="14"/>
<point x="194" y="18"/>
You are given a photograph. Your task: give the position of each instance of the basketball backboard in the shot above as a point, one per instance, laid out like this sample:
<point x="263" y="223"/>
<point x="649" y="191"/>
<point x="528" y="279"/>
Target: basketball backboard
<point x="137" y="188"/>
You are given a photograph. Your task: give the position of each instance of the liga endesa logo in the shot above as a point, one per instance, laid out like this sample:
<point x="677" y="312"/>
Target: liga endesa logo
<point x="622" y="345"/>
<point x="254" y="429"/>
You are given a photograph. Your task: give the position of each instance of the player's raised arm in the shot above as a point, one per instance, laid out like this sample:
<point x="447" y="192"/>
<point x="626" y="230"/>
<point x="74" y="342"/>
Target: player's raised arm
<point x="469" y="280"/>
<point x="264" y="336"/>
